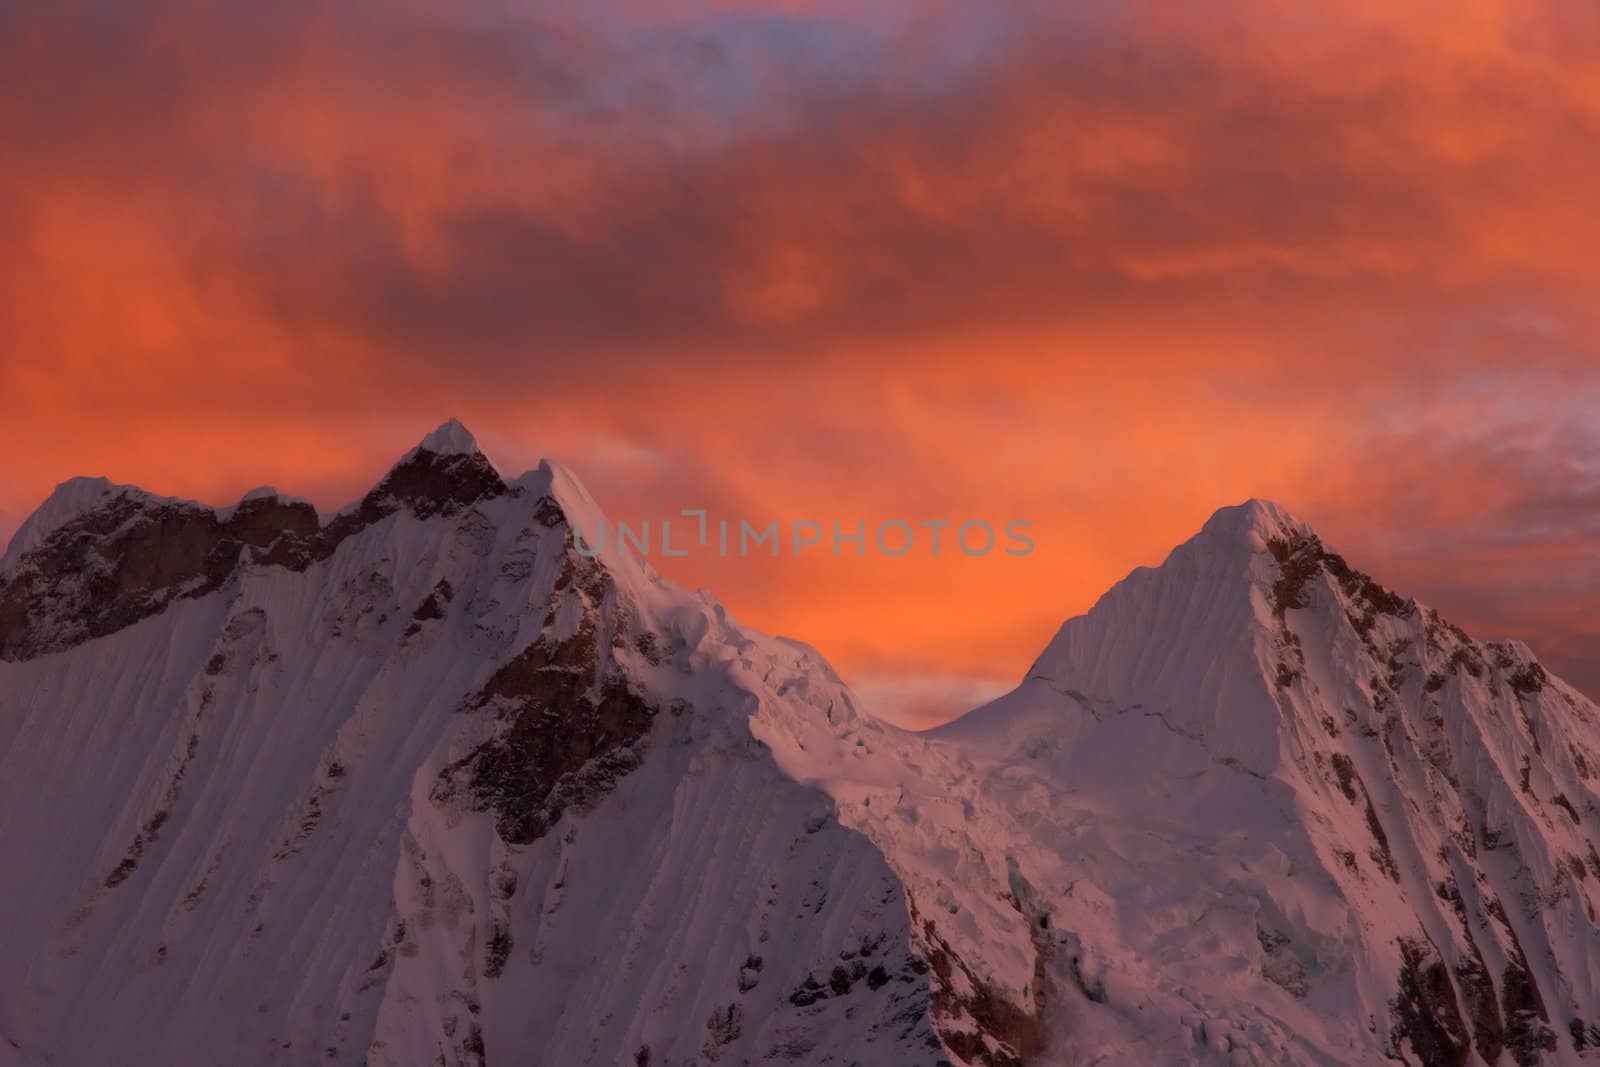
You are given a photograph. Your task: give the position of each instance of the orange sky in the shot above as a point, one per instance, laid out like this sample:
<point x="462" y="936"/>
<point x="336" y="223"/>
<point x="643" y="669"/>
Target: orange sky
<point x="1100" y="267"/>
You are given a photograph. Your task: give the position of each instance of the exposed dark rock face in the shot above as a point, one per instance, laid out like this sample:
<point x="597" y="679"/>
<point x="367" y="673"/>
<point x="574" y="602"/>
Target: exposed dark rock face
<point x="151" y="828"/>
<point x="1380" y="853"/>
<point x="1302" y="557"/>
<point x="1278" y="963"/>
<point x="426" y="484"/>
<point x="1017" y="1031"/>
<point x="135" y="555"/>
<point x="1527" y="1032"/>
<point x="808" y="992"/>
<point x="497" y="950"/>
<point x="1347" y="776"/>
<point x="260" y="521"/>
<point x="1477" y="992"/>
<point x="1448" y="1002"/>
<point x="119" y="564"/>
<point x="1355" y="790"/>
<point x="433" y="607"/>
<point x="1426" y="1015"/>
<point x="1474" y="982"/>
<point x="877" y="966"/>
<point x="565" y="747"/>
<point x="570" y="724"/>
<point x="723" y="1028"/>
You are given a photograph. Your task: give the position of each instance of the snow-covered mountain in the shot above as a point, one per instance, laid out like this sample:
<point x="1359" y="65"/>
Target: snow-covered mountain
<point x="1289" y="816"/>
<point x="419" y="783"/>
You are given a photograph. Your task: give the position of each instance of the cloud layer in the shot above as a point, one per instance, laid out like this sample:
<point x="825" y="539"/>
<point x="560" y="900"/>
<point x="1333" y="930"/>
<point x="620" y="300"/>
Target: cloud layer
<point x="1101" y="267"/>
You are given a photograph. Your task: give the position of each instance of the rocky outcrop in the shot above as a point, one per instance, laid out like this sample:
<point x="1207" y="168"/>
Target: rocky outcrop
<point x="568" y="726"/>
<point x="1426" y="1015"/>
<point x="1287" y="816"/>
<point x="135" y="555"/>
<point x="1441" y="712"/>
<point x="438" y="784"/>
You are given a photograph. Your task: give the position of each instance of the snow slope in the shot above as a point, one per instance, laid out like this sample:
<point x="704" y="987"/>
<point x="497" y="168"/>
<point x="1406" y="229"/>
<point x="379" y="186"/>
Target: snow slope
<point x="1290" y="817"/>
<point x="418" y="783"/>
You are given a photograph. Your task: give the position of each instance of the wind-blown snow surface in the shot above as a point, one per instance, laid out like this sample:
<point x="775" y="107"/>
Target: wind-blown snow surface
<point x="421" y="782"/>
<point x="1288" y="816"/>
<point x="418" y="783"/>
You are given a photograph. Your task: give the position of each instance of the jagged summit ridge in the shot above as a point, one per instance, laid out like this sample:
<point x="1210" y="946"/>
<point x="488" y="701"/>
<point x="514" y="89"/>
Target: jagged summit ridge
<point x="67" y="502"/>
<point x="80" y="495"/>
<point x="1253" y="807"/>
<point x="444" y="788"/>
<point x="98" y="556"/>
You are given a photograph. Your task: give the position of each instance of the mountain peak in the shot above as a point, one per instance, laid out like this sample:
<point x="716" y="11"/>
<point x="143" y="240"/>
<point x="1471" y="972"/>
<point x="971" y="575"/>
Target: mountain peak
<point x="68" y="501"/>
<point x="451" y="438"/>
<point x="447" y="454"/>
<point x="1256" y="522"/>
<point x="1182" y="634"/>
<point x="114" y="532"/>
<point x="446" y="471"/>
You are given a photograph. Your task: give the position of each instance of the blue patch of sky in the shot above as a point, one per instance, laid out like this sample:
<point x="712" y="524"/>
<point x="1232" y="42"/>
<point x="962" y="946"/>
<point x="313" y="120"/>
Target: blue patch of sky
<point x="738" y="69"/>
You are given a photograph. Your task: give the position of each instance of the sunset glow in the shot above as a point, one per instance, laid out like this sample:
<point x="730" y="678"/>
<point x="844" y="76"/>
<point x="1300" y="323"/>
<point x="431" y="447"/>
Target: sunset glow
<point x="1103" y="268"/>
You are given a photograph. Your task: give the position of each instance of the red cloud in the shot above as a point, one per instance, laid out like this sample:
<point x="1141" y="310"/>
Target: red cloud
<point x="1102" y="271"/>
